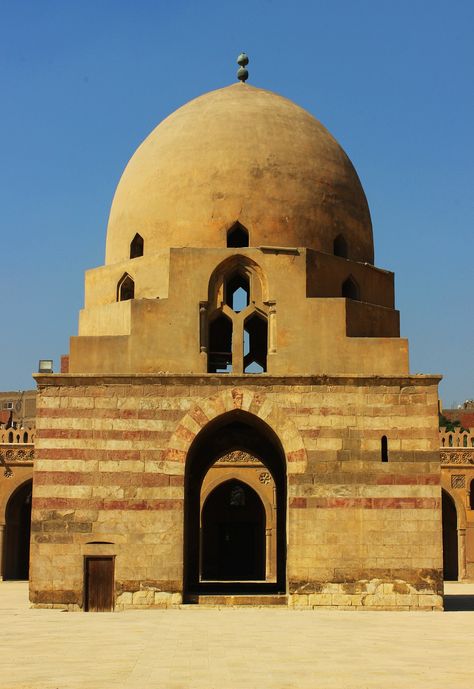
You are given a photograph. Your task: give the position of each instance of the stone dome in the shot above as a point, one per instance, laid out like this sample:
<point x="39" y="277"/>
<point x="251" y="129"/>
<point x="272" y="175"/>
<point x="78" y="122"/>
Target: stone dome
<point x="239" y="154"/>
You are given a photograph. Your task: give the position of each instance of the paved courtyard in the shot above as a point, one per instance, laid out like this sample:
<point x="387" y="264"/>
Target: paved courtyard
<point x="258" y="648"/>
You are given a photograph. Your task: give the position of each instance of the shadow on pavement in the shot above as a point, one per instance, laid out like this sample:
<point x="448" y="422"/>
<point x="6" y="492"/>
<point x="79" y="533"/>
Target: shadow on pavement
<point x="458" y="603"/>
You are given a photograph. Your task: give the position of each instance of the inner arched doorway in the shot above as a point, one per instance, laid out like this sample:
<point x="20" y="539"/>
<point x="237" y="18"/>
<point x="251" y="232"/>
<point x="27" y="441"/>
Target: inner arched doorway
<point x="226" y="534"/>
<point x="450" y="538"/>
<point x="233" y="534"/>
<point x="17" y="533"/>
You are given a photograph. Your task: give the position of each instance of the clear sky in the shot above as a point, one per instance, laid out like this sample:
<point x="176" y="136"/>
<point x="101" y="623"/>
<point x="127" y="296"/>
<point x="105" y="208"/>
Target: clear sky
<point x="84" y="81"/>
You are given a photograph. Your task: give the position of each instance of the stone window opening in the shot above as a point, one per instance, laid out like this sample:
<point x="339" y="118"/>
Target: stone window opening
<point x="136" y="246"/>
<point x="125" y="288"/>
<point x="350" y="289"/>
<point x="255" y="344"/>
<point x="443" y="441"/>
<point x="450" y="441"/>
<point x="237" y="292"/>
<point x="219" y="358"/>
<point x="464" y="441"/>
<point x="10" y="437"/>
<point x="237" y="236"/>
<point x="384" y="449"/>
<point x="25" y="437"/>
<point x="340" y="246"/>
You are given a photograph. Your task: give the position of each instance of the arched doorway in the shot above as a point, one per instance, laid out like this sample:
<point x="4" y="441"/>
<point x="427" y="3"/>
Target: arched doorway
<point x="225" y="541"/>
<point x="450" y="538"/>
<point x="233" y="534"/>
<point x="17" y="533"/>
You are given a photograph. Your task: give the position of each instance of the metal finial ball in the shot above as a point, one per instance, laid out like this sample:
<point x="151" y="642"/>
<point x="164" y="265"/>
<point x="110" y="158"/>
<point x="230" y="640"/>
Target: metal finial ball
<point x="242" y="74"/>
<point x="243" y="60"/>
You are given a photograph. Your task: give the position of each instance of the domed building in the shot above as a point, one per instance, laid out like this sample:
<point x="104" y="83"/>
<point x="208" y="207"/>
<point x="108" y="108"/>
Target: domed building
<point x="237" y="423"/>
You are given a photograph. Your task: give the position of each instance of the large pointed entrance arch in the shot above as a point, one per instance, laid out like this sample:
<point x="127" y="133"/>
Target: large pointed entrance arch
<point x="17" y="533"/>
<point x="450" y="538"/>
<point x="224" y="535"/>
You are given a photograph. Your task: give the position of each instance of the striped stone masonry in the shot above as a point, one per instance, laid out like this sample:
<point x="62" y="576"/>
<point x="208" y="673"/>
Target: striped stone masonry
<point x="110" y="457"/>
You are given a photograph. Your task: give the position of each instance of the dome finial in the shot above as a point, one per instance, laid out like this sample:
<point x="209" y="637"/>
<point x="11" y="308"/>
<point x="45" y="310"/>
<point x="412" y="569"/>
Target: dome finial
<point x="242" y="73"/>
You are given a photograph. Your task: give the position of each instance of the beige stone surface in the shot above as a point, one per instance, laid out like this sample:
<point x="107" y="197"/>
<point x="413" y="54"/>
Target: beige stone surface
<point x="287" y="180"/>
<point x="233" y="648"/>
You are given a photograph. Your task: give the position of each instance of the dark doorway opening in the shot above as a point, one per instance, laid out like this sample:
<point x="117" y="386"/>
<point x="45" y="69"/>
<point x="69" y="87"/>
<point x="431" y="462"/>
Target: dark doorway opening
<point x="99" y="584"/>
<point x="209" y="566"/>
<point x="17" y="533"/>
<point x="450" y="538"/>
<point x="233" y="534"/>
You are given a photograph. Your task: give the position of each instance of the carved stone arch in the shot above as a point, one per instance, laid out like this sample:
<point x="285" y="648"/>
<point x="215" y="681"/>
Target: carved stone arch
<point x="236" y="476"/>
<point x="247" y="400"/>
<point x="17" y="518"/>
<point x="453" y="517"/>
<point x="227" y="269"/>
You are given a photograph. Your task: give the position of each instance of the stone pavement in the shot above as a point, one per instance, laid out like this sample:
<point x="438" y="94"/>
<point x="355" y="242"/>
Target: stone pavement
<point x="256" y="648"/>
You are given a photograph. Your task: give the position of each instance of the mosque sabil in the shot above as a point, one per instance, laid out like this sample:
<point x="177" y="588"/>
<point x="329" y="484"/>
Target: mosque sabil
<point x="236" y="421"/>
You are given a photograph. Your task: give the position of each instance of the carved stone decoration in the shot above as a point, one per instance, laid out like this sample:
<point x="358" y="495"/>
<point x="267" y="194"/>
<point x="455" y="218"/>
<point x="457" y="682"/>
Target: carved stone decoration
<point x="458" y="481"/>
<point x="14" y="455"/>
<point x="265" y="477"/>
<point x="458" y="456"/>
<point x="238" y="456"/>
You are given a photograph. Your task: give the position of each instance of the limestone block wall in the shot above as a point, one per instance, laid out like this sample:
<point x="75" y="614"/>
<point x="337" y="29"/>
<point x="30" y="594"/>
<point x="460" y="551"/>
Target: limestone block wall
<point x="361" y="532"/>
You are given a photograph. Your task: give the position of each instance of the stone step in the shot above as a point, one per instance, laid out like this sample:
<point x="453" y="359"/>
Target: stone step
<point x="257" y="600"/>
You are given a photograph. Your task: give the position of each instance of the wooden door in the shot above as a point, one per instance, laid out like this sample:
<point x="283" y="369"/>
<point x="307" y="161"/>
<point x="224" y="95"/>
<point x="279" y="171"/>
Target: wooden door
<point x="99" y="584"/>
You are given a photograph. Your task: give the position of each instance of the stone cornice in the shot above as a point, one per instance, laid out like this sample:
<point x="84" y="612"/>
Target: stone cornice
<point x="228" y="380"/>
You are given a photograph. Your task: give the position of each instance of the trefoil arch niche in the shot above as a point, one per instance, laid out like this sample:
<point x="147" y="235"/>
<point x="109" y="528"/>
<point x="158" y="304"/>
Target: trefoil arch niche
<point x="238" y="291"/>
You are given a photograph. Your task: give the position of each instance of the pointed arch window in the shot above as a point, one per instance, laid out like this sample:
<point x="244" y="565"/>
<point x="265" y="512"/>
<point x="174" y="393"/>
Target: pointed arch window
<point x="340" y="246"/>
<point x="136" y="246"/>
<point x="125" y="288"/>
<point x="255" y="344"/>
<point x="350" y="289"/>
<point x="237" y="236"/>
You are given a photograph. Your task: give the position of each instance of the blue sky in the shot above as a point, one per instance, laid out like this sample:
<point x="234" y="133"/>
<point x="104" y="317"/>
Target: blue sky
<point x="83" y="82"/>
